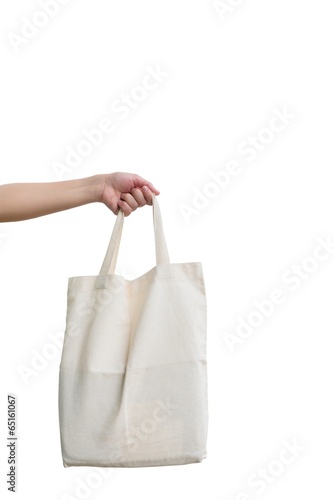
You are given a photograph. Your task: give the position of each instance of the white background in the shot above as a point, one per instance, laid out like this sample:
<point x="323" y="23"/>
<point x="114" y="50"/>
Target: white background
<point x="226" y="75"/>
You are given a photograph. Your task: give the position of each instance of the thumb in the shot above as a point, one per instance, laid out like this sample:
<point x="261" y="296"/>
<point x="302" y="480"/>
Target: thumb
<point x="140" y="182"/>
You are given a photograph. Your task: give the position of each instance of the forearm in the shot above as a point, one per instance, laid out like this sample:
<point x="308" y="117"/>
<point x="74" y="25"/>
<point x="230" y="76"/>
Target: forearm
<point x="29" y="200"/>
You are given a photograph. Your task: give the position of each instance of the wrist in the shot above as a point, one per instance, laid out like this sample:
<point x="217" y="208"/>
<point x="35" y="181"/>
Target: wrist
<point x="95" y="187"/>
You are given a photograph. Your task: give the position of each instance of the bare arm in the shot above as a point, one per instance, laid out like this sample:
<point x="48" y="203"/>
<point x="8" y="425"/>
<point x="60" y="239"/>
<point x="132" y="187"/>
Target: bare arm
<point x="22" y="201"/>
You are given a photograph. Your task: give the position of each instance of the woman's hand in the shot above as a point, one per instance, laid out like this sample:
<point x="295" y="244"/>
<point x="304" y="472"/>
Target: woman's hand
<point x="125" y="191"/>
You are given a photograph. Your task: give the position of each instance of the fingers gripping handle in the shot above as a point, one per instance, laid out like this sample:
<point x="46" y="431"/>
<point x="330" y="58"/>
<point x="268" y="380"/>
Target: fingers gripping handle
<point x="162" y="255"/>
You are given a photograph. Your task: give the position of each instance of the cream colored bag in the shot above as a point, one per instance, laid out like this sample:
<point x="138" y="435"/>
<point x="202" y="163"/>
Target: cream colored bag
<point x="133" y="372"/>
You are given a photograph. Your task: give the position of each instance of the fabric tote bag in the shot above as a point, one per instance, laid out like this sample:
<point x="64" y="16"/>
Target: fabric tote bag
<point x="133" y="370"/>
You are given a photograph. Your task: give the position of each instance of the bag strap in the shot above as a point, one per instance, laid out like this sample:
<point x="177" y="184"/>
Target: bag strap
<point x="162" y="255"/>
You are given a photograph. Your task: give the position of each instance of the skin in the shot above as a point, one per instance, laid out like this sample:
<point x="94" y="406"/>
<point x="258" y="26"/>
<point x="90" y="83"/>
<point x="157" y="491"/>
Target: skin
<point x="119" y="190"/>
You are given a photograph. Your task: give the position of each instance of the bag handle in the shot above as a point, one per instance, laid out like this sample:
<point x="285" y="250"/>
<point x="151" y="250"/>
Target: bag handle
<point x="162" y="255"/>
